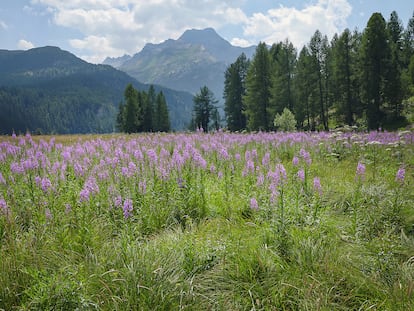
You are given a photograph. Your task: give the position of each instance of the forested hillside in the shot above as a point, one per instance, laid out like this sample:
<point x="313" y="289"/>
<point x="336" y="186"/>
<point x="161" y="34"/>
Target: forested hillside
<point x="47" y="90"/>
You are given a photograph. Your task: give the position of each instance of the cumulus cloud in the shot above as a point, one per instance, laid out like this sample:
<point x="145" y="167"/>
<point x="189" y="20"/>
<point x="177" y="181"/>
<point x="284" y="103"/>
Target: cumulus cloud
<point x="116" y="27"/>
<point x="328" y="16"/>
<point x="25" y="45"/>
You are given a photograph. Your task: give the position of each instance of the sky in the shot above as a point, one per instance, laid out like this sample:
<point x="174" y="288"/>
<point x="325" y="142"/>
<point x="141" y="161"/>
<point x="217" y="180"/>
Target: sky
<point x="95" y="29"/>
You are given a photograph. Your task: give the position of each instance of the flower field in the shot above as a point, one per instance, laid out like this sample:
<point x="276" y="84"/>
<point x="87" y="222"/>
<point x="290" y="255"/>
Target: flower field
<point x="263" y="221"/>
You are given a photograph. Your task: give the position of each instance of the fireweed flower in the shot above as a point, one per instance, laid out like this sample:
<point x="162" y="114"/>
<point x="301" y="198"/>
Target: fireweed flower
<point x="2" y="180"/>
<point x="400" y="176"/>
<point x="253" y="204"/>
<point x="306" y="156"/>
<point x="3" y="206"/>
<point x="45" y="184"/>
<point x="127" y="208"/>
<point x="301" y="175"/>
<point x="317" y="185"/>
<point x="360" y="171"/>
<point x="260" y="180"/>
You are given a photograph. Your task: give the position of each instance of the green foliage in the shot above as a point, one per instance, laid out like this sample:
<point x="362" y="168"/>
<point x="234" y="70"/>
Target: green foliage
<point x="286" y="121"/>
<point x="143" y="112"/>
<point x="357" y="78"/>
<point x="193" y="241"/>
<point x="258" y="82"/>
<point x="204" y="108"/>
<point x="234" y="90"/>
<point x="47" y="90"/>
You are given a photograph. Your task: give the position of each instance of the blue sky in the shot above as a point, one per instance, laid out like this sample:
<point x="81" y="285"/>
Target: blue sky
<point x="94" y="29"/>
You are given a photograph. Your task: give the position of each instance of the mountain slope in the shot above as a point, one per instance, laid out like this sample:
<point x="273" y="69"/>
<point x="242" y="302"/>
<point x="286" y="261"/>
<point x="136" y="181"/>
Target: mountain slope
<point x="52" y="91"/>
<point x="197" y="58"/>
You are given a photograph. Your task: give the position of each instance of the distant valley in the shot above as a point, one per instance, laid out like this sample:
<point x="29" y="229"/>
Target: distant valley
<point x="48" y="90"/>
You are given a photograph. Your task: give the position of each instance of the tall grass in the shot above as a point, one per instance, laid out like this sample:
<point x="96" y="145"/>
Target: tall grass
<point x="266" y="221"/>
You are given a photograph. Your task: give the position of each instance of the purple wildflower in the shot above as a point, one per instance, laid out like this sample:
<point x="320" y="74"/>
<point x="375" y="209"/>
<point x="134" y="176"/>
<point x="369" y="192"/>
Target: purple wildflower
<point x="295" y="161"/>
<point x="127" y="208"/>
<point x="317" y="185"/>
<point x="48" y="214"/>
<point x="260" y="180"/>
<point x="306" y="156"/>
<point x="2" y="180"/>
<point x="84" y="195"/>
<point x="45" y="184"/>
<point x="68" y="208"/>
<point x="360" y="171"/>
<point x="253" y="204"/>
<point x="301" y="175"/>
<point x="400" y="176"/>
<point x="3" y="206"/>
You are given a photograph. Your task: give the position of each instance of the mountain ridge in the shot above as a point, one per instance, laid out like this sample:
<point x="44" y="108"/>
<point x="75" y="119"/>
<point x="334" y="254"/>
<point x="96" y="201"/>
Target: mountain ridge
<point x="198" y="57"/>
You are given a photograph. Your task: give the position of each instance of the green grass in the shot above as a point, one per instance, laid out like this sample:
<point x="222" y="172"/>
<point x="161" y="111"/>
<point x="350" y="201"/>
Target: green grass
<point x="197" y="244"/>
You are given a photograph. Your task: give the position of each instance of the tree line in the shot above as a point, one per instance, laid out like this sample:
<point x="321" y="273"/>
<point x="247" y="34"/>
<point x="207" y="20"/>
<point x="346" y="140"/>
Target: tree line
<point x="358" y="78"/>
<point x="143" y="111"/>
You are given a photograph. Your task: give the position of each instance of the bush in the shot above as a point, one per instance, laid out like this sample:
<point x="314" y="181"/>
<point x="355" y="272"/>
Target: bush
<point x="286" y="121"/>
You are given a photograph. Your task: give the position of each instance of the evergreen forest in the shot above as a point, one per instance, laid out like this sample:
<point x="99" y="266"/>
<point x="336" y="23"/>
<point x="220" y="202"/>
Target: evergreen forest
<point x="363" y="79"/>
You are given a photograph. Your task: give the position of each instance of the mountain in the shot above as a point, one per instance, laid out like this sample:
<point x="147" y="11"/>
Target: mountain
<point x="49" y="90"/>
<point x="197" y="58"/>
<point x="116" y="62"/>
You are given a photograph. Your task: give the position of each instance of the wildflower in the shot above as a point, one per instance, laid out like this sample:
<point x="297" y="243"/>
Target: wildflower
<point x="142" y="185"/>
<point x="306" y="156"/>
<point x="68" y="208"/>
<point x="400" y="176"/>
<point x="260" y="180"/>
<point x="253" y="204"/>
<point x="301" y="175"/>
<point x="2" y="180"/>
<point x="45" y="184"/>
<point x="295" y="161"/>
<point x="48" y="214"/>
<point x="3" y="206"/>
<point x="317" y="185"/>
<point x="127" y="208"/>
<point x="360" y="171"/>
<point x="220" y="174"/>
<point x="266" y="159"/>
<point x="84" y="195"/>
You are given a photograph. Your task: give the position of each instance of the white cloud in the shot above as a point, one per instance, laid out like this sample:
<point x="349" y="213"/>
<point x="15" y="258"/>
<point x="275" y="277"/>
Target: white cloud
<point x="241" y="42"/>
<point x="328" y="16"/>
<point x="116" y="27"/>
<point x="25" y="45"/>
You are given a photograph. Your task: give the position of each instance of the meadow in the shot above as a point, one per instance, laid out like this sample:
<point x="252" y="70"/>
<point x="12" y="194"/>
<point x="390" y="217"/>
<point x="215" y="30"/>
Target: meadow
<point x="195" y="221"/>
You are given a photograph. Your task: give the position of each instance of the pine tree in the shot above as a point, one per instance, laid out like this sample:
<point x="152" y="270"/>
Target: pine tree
<point x="345" y="84"/>
<point x="120" y="118"/>
<point x="374" y="56"/>
<point x="234" y="90"/>
<point x="393" y="86"/>
<point x="204" y="105"/>
<point x="305" y="81"/>
<point x="283" y="57"/>
<point x="161" y="117"/>
<point x="258" y="84"/>
<point x="149" y="103"/>
<point x="133" y="110"/>
<point x="318" y="48"/>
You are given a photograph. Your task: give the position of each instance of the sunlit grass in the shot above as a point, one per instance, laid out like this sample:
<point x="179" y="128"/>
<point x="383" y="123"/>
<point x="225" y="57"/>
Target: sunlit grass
<point x="166" y="222"/>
